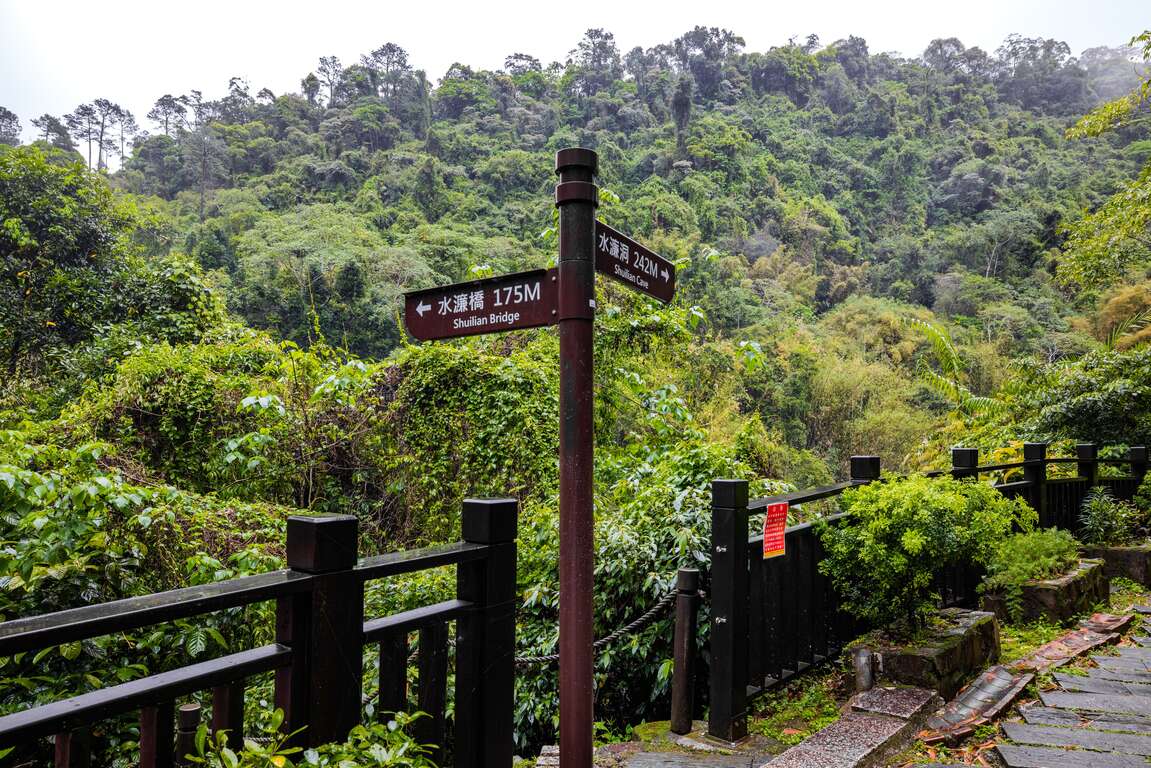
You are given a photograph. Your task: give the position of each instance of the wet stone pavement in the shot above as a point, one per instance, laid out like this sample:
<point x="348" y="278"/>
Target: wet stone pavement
<point x="1101" y="719"/>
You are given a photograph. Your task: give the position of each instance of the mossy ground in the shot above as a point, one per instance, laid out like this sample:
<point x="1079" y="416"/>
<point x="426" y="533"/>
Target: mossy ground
<point x="801" y="707"/>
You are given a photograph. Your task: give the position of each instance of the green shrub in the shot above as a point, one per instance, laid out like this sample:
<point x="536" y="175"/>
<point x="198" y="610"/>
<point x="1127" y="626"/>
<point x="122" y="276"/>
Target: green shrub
<point x="1105" y="520"/>
<point x="900" y="533"/>
<point x="1142" y="498"/>
<point x="380" y="745"/>
<point x="1026" y="557"/>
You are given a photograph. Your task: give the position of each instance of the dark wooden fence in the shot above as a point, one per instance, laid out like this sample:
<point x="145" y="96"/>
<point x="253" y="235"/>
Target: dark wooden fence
<point x="318" y="653"/>
<point x="772" y="619"/>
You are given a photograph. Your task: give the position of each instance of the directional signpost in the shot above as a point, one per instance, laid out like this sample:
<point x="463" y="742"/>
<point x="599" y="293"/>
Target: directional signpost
<point x="522" y="300"/>
<point x="563" y="296"/>
<point x="618" y="256"/>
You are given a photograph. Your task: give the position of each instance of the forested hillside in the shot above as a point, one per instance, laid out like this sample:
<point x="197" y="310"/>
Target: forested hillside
<point x="877" y="255"/>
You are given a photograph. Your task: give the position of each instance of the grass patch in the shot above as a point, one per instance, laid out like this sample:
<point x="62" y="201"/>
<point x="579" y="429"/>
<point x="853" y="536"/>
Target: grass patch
<point x="1125" y="594"/>
<point x="1019" y="640"/>
<point x="803" y="706"/>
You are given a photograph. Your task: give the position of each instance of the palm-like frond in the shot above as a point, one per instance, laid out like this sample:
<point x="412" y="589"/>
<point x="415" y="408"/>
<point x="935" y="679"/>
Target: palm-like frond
<point x="945" y="353"/>
<point x="1131" y="324"/>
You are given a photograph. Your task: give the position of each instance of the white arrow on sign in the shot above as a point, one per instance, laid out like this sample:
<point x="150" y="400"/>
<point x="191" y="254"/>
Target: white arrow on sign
<point x="421" y="308"/>
<point x="664" y="274"/>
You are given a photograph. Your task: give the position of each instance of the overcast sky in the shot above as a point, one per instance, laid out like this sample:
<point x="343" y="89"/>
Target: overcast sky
<point x="55" y="55"/>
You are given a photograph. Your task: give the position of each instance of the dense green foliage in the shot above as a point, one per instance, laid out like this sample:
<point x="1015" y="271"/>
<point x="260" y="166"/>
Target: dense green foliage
<point x="1027" y="557"/>
<point x="900" y="534"/>
<point x="876" y="255"/>
<point x="1105" y="520"/>
<point x="381" y="745"/>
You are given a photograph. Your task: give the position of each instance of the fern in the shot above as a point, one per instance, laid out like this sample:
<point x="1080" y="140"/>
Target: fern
<point x="946" y="382"/>
<point x="1027" y="557"/>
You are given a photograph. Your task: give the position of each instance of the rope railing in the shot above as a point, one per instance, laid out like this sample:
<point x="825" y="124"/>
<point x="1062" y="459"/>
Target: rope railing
<point x="639" y="624"/>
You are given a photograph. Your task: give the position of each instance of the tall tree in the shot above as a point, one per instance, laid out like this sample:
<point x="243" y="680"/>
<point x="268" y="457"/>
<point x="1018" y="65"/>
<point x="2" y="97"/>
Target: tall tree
<point x="204" y="161"/>
<point x="389" y="63"/>
<point x="597" y="61"/>
<point x="310" y="85"/>
<point x="81" y="124"/>
<point x="681" y="111"/>
<point x="53" y="131"/>
<point x="126" y="122"/>
<point x="704" y="51"/>
<point x="330" y="73"/>
<point x="9" y="127"/>
<point x="107" y="116"/>
<point x="169" y="112"/>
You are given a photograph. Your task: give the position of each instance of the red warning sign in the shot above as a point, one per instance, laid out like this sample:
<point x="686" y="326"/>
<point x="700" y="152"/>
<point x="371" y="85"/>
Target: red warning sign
<point x="774" y="526"/>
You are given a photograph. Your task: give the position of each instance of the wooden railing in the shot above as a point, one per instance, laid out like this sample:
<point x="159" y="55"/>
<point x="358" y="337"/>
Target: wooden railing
<point x="772" y="619"/>
<point x="317" y="655"/>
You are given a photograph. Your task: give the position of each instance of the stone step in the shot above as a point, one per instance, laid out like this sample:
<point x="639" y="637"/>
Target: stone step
<point x="1104" y="721"/>
<point x="1083" y="738"/>
<point x="1123" y="676"/>
<point x="1090" y="684"/>
<point x="1043" y="757"/>
<point x="1097" y="702"/>
<point x="881" y="722"/>
<point x="1134" y="652"/>
<point x="1120" y="664"/>
<point x="846" y="743"/>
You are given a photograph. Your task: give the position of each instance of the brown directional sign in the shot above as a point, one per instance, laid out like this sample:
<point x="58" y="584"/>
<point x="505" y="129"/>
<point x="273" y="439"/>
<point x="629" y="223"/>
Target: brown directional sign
<point x="618" y="256"/>
<point x="491" y="305"/>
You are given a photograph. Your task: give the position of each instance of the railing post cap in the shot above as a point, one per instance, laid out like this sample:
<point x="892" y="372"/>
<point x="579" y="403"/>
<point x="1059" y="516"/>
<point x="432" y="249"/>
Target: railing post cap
<point x="865" y="468"/>
<point x="490" y="521"/>
<point x="1137" y="452"/>
<point x="729" y="493"/>
<point x="582" y="156"/>
<point x="1086" y="450"/>
<point x="189" y="717"/>
<point x="1034" y="450"/>
<point x="964" y="457"/>
<point x="687" y="580"/>
<point x="322" y="543"/>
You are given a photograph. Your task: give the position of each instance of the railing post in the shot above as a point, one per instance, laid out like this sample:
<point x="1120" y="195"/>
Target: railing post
<point x="683" y="649"/>
<point x="1035" y="472"/>
<point x="228" y="712"/>
<point x="1088" y="467"/>
<point x="187" y="723"/>
<point x="324" y="626"/>
<point x="963" y="462"/>
<point x="486" y="637"/>
<point x="74" y="749"/>
<point x="865" y="468"/>
<point x="157" y="731"/>
<point x="729" y="583"/>
<point x="1137" y="455"/>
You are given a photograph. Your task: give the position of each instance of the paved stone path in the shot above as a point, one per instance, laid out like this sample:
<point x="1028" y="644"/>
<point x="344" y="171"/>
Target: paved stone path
<point x="1101" y="719"/>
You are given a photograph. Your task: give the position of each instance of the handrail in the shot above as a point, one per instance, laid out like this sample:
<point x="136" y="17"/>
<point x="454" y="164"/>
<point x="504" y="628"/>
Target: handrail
<point x="417" y="618"/>
<point x="396" y="563"/>
<point x="86" y="708"/>
<point x="799" y="497"/>
<point x="758" y="540"/>
<point x="134" y="612"/>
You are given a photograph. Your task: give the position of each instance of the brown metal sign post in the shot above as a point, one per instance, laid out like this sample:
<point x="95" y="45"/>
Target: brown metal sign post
<point x="542" y="297"/>
<point x="577" y="198"/>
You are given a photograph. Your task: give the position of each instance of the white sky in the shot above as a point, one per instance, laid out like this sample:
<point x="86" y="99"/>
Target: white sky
<point x="55" y="54"/>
